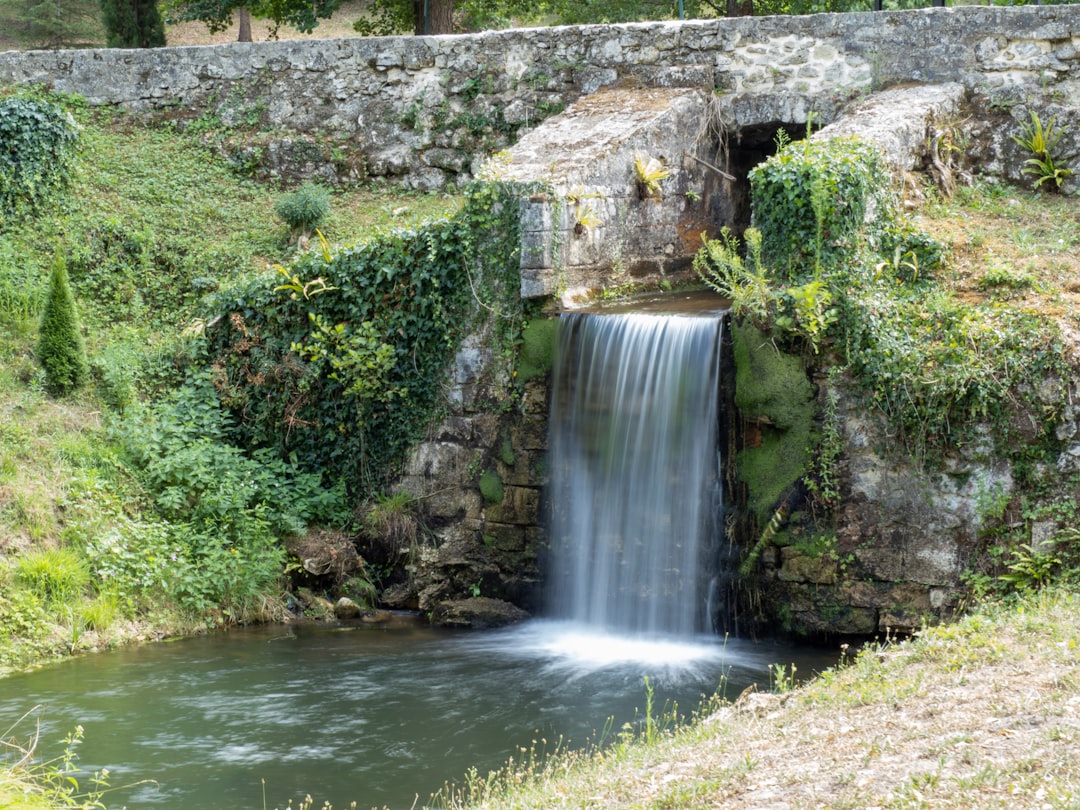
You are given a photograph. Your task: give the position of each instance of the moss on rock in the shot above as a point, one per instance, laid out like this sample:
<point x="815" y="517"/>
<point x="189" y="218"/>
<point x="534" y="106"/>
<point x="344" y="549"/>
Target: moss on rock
<point x="537" y="349"/>
<point x="771" y="389"/>
<point x="491" y="487"/>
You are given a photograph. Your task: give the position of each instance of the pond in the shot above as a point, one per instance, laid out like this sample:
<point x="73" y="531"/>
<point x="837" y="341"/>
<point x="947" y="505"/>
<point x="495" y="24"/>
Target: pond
<point x="379" y="715"/>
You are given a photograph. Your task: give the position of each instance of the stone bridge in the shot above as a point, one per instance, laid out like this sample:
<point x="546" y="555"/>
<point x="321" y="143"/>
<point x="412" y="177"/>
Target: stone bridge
<point x="425" y="110"/>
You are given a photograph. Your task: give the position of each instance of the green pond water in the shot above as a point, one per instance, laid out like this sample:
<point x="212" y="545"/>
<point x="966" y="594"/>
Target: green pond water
<point x="375" y="715"/>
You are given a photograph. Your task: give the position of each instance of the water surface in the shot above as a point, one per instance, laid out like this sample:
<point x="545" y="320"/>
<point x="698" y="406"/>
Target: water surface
<point x="376" y="715"/>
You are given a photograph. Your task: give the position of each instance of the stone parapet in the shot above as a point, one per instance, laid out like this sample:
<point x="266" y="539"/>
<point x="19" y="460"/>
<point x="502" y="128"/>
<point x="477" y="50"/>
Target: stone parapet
<point x="421" y="110"/>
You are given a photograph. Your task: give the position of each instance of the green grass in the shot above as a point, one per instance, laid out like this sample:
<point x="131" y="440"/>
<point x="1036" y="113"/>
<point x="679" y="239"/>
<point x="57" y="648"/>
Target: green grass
<point x="154" y="219"/>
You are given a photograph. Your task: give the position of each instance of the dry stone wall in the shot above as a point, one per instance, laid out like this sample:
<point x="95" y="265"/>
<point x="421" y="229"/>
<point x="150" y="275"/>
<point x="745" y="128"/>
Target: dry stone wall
<point x="424" y="109"/>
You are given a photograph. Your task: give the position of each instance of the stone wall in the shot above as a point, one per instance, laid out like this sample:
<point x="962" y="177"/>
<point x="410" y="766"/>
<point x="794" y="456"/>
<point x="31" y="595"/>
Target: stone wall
<point x="423" y="110"/>
<point x="590" y="221"/>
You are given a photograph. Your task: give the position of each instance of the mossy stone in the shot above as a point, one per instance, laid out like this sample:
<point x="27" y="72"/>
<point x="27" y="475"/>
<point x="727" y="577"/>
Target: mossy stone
<point x="491" y="487"/>
<point x="537" y="349"/>
<point x="506" y="452"/>
<point x="771" y="388"/>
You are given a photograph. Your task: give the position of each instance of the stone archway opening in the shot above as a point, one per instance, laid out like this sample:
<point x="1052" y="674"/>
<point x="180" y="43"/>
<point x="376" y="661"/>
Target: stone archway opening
<point x="737" y="152"/>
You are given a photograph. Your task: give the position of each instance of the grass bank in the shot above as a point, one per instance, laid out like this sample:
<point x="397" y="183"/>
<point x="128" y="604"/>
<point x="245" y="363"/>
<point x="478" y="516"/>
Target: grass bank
<point x="983" y="713"/>
<point x="152" y="223"/>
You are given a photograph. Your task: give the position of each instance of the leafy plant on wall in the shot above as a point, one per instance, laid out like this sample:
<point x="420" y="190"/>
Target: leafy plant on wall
<point x="38" y="143"/>
<point x="822" y="275"/>
<point x="810" y="201"/>
<point x="1042" y="142"/>
<point x="346" y="380"/>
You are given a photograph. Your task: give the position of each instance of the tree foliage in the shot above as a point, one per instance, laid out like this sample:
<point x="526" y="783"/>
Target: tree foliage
<point x="51" y="23"/>
<point x="60" y="347"/>
<point x="133" y="24"/>
<point x="385" y="17"/>
<point x="303" y="15"/>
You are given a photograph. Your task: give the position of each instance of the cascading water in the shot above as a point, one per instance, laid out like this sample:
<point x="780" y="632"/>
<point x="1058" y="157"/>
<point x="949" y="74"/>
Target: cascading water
<point x="634" y="485"/>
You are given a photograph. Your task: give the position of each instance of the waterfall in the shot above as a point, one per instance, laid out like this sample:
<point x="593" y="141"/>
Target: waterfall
<point x="634" y="487"/>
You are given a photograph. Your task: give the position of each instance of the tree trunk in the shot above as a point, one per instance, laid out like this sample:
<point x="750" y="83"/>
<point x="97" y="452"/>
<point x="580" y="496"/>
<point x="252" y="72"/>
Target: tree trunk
<point x="433" y="17"/>
<point x="244" y="16"/>
<point x="442" y="16"/>
<point x="740" y="8"/>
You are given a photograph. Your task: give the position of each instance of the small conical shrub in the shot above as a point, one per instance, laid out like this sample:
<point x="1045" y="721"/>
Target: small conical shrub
<point x="304" y="210"/>
<point x="60" y="346"/>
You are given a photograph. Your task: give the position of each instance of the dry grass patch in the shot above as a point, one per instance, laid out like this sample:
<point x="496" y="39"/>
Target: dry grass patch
<point x="196" y="33"/>
<point x="338" y="26"/>
<point x="1010" y="244"/>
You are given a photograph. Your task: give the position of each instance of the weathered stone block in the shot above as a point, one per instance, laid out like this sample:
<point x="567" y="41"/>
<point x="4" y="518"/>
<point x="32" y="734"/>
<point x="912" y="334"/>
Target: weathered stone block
<point x="530" y="435"/>
<point x="505" y="537"/>
<point x="453" y="160"/>
<point x="520" y="505"/>
<point x="797" y="567"/>
<point x="477" y="612"/>
<point x="521" y="472"/>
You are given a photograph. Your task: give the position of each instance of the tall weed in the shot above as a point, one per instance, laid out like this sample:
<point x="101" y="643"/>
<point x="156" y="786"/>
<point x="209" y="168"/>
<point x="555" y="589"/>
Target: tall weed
<point x="58" y="576"/>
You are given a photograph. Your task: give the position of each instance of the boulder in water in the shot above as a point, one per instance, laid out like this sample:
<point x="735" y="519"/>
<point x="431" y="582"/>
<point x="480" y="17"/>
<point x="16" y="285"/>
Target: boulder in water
<point x="477" y="612"/>
<point x="346" y="608"/>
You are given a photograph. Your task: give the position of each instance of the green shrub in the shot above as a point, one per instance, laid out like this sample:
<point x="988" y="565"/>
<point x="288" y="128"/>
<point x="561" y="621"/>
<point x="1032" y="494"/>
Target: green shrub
<point x="1042" y="142"/>
<point x="24" y="625"/>
<point x="935" y="365"/>
<point x="719" y="263"/>
<point x="101" y="613"/>
<point x="224" y="511"/>
<point x="305" y="209"/>
<point x="181" y="449"/>
<point x="115" y="371"/>
<point x="37" y="153"/>
<point x="130" y="273"/>
<point x="811" y="198"/>
<point x="805" y="311"/>
<point x="235" y="572"/>
<point x="135" y="561"/>
<point x="1000" y="276"/>
<point x="60" y="348"/>
<point x="911" y="254"/>
<point x="58" y="576"/>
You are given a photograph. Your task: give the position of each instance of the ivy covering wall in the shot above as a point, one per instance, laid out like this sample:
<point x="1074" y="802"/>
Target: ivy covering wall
<point x="339" y="362"/>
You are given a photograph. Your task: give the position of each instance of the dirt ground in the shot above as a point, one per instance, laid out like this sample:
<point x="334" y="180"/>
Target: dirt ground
<point x="196" y="33"/>
<point x="340" y="25"/>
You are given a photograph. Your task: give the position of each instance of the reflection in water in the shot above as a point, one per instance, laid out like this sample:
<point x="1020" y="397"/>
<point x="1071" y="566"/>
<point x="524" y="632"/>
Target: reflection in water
<point x="372" y="715"/>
